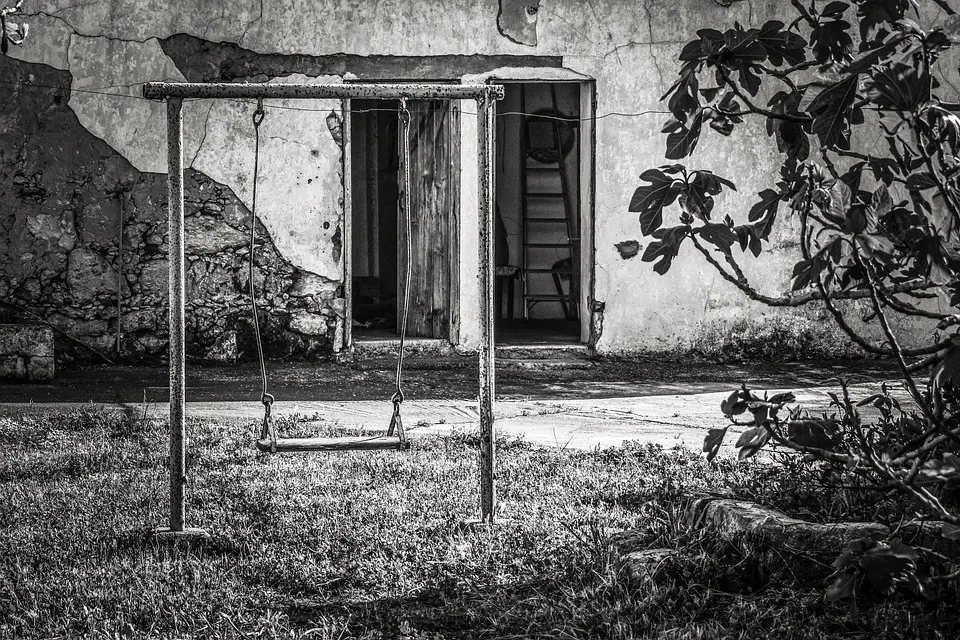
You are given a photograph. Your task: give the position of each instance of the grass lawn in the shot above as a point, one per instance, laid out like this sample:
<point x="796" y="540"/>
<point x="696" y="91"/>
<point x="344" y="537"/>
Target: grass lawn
<point x="369" y="545"/>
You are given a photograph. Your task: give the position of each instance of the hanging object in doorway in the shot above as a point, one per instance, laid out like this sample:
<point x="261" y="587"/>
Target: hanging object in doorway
<point x="547" y="131"/>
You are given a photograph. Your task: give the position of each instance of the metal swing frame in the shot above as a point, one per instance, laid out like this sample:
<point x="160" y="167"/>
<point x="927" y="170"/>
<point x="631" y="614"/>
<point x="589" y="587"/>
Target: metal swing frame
<point x="174" y="94"/>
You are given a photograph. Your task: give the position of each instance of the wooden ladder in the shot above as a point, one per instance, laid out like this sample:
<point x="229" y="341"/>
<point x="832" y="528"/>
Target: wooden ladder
<point x="562" y="218"/>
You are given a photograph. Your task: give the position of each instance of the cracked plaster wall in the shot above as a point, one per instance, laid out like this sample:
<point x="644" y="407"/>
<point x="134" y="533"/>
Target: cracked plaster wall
<point x="629" y="48"/>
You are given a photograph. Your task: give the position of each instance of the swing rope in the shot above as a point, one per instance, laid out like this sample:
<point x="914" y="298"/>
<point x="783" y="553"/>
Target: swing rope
<point x="396" y="422"/>
<point x="266" y="398"/>
<point x="267" y="431"/>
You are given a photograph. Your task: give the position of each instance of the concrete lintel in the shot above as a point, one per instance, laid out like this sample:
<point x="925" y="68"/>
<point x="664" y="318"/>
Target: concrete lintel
<point x="183" y="90"/>
<point x="526" y="74"/>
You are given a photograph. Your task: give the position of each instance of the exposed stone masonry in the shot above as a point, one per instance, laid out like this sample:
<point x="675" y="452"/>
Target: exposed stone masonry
<point x="63" y="192"/>
<point x="26" y="353"/>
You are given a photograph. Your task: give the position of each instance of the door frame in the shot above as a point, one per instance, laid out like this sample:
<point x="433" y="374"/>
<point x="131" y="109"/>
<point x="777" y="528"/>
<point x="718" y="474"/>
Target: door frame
<point x="346" y="341"/>
<point x="587" y="155"/>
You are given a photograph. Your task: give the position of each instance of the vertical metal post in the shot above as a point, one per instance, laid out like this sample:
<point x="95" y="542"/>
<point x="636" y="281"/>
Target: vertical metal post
<point x="177" y="312"/>
<point x="486" y="123"/>
<point x="177" y="352"/>
<point x="120" y="196"/>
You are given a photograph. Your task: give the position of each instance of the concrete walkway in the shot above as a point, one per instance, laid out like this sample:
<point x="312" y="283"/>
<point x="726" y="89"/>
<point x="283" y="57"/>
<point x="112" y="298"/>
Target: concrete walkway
<point x="669" y="420"/>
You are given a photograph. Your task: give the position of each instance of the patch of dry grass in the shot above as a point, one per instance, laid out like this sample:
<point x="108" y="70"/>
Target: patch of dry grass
<point x="365" y="545"/>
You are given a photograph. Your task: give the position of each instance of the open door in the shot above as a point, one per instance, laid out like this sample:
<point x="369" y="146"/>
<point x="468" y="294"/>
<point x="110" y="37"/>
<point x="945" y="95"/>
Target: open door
<point x="434" y="196"/>
<point x="379" y="228"/>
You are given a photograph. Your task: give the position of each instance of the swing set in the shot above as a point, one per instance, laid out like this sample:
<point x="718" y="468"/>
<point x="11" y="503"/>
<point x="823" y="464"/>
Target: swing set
<point x="268" y="441"/>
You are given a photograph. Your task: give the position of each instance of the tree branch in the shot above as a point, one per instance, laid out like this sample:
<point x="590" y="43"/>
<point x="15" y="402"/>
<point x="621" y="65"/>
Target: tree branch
<point x="895" y="345"/>
<point x="754" y="108"/>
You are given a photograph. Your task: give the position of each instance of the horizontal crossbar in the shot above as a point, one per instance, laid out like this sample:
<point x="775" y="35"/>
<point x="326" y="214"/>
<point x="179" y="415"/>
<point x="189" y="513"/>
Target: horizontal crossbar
<point x="162" y="90"/>
<point x="361" y="443"/>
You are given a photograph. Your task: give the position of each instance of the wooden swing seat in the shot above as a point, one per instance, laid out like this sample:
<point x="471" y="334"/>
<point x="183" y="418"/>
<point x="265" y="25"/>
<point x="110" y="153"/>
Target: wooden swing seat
<point x="351" y="443"/>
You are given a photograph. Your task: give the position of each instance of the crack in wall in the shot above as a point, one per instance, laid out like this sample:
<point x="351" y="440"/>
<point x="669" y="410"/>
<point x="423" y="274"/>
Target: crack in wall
<point x="246" y="29"/>
<point x="203" y="136"/>
<point x="77" y="32"/>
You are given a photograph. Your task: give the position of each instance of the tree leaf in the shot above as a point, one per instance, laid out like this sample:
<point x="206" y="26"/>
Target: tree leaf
<point x="710" y="182"/>
<point x="749" y="238"/>
<point x="665" y="248"/>
<point x="719" y="235"/>
<point x="735" y="404"/>
<point x="751" y="441"/>
<point x="650" y="200"/>
<point x="840" y="197"/>
<point x="769" y="203"/>
<point x="834" y="9"/>
<point x="841" y="588"/>
<point x="831" y="42"/>
<point x="872" y="56"/>
<point x="946" y="374"/>
<point x="874" y="13"/>
<point x="782" y="398"/>
<point x="898" y="86"/>
<point x="697" y="204"/>
<point x="692" y="51"/>
<point x="685" y="98"/>
<point x="682" y="138"/>
<point x="920" y="180"/>
<point x="887" y="565"/>
<point x="818" y="434"/>
<point x="711" y="443"/>
<point x="880" y="202"/>
<point x="831" y="111"/>
<point x="950" y="531"/>
<point x="781" y="45"/>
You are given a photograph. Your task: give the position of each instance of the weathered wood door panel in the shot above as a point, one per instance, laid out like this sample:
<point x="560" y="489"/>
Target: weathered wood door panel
<point x="435" y="198"/>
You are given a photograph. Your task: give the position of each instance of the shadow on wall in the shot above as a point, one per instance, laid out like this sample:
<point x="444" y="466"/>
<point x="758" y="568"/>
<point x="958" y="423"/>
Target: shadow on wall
<point x="67" y="195"/>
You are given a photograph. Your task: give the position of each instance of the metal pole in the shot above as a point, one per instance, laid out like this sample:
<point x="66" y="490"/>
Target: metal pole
<point x="120" y="196"/>
<point x="177" y="323"/>
<point x="486" y="114"/>
<point x="239" y="90"/>
<point x="178" y="426"/>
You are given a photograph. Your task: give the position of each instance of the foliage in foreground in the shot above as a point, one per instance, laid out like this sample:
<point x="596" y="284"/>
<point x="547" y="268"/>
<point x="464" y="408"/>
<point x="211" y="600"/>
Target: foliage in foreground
<point x="874" y="223"/>
<point x="369" y="546"/>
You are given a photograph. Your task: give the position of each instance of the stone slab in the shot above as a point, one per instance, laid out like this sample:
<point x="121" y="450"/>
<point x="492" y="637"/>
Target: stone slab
<point x="26" y="340"/>
<point x="794" y="548"/>
<point x="12" y="367"/>
<point x="41" y="368"/>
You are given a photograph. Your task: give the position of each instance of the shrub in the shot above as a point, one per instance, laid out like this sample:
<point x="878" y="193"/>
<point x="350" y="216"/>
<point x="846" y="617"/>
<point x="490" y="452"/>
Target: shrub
<point x="880" y="226"/>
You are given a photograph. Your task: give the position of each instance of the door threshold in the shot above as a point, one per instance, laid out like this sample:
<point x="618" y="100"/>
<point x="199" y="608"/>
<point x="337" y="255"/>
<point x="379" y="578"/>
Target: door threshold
<point x="544" y="351"/>
<point x="391" y="346"/>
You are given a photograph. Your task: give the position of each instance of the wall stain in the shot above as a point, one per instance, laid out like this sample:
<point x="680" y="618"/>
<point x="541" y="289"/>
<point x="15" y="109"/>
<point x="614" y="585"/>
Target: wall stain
<point x="203" y="61"/>
<point x="335" y="127"/>
<point x="517" y="21"/>
<point x="337" y="240"/>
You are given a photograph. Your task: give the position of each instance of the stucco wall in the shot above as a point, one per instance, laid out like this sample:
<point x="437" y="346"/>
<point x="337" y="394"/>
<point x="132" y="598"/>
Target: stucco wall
<point x="629" y="48"/>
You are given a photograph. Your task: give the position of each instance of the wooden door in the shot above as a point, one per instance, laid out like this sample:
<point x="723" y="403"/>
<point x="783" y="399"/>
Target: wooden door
<point x="434" y="216"/>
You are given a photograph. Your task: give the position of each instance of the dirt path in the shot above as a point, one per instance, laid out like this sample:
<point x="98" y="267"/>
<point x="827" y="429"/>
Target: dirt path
<point x="437" y="379"/>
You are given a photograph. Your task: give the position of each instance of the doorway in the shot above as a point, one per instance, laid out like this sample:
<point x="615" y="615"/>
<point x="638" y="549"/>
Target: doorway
<point x="378" y="241"/>
<point x="539" y="213"/>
